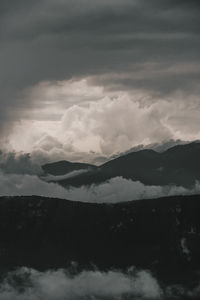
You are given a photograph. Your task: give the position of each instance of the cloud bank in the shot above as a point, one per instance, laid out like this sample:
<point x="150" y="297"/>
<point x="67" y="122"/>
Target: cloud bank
<point x="61" y="284"/>
<point x="29" y="284"/>
<point x="115" y="190"/>
<point x="83" y="121"/>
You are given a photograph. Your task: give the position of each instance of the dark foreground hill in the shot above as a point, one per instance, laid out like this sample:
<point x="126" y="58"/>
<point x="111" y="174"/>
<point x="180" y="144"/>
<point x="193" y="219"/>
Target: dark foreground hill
<point x="179" y="165"/>
<point x="160" y="234"/>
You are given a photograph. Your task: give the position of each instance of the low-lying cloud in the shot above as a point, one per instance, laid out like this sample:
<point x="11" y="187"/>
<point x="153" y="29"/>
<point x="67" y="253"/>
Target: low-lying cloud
<point x="16" y="184"/>
<point x="72" y="174"/>
<point x="29" y="284"/>
<point x="62" y="284"/>
<point x="117" y="189"/>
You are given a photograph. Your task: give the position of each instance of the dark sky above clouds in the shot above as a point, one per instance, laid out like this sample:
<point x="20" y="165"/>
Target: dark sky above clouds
<point x="143" y="53"/>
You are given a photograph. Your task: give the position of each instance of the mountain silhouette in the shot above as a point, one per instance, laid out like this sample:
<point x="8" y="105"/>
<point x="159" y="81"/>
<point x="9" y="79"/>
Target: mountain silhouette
<point x="179" y="165"/>
<point x="63" y="167"/>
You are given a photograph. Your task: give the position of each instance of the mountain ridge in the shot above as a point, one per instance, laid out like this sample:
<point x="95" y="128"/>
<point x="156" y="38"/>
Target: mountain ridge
<point x="63" y="167"/>
<point x="179" y="165"/>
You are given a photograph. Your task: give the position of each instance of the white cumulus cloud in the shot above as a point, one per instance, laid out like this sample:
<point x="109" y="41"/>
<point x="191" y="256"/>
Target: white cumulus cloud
<point x="81" y="118"/>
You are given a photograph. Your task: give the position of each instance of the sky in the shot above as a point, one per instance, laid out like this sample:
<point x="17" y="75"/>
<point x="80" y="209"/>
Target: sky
<point x="89" y="78"/>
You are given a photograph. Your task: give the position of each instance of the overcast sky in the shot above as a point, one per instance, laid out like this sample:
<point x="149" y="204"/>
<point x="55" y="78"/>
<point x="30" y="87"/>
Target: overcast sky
<point x="95" y="77"/>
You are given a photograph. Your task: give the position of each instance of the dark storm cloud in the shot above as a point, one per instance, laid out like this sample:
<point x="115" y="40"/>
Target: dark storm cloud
<point x="55" y="40"/>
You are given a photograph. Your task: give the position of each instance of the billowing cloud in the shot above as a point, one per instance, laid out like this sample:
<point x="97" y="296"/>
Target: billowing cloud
<point x="89" y="121"/>
<point x="114" y="123"/>
<point x="130" y="45"/>
<point x="29" y="284"/>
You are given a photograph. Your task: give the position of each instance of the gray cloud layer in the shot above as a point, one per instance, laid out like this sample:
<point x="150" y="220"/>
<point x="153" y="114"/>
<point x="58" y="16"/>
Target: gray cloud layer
<point x="115" y="190"/>
<point x="151" y="45"/>
<point x="18" y="163"/>
<point x="29" y="284"/>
